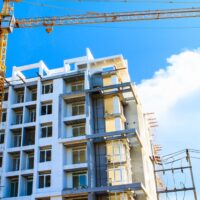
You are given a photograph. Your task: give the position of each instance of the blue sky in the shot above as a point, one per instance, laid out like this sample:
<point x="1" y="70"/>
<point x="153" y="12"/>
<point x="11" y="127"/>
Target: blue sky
<point x="146" y="44"/>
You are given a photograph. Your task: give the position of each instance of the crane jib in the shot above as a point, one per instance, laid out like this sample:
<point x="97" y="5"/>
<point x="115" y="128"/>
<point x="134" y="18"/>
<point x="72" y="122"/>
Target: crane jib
<point x="107" y="17"/>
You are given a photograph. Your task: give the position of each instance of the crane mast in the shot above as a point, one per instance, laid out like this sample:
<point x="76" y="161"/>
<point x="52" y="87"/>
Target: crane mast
<point x="5" y="12"/>
<point x="8" y="23"/>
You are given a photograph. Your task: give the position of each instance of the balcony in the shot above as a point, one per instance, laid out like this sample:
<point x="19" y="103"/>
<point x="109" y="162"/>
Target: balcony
<point x="75" y="113"/>
<point x="30" y="113"/>
<point x="74" y="119"/>
<point x="17" y="118"/>
<point x="73" y="134"/>
<point x="16" y="136"/>
<point x="14" y="161"/>
<point x="27" y="161"/>
<point x="31" y="93"/>
<point x="29" y="136"/>
<point x="77" y="180"/>
<point x="75" y="158"/>
<point x="75" y="167"/>
<point x="27" y="181"/>
<point x="18" y="96"/>
<point x="74" y="92"/>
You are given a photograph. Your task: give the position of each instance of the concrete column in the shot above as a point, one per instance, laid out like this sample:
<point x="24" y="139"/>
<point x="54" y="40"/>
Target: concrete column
<point x="91" y="164"/>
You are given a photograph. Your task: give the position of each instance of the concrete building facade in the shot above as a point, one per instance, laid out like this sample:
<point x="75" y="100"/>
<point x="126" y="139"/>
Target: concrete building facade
<point x="75" y="133"/>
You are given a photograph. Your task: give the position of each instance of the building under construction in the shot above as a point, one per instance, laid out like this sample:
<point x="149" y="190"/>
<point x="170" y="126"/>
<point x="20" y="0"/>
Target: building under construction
<point x="75" y="133"/>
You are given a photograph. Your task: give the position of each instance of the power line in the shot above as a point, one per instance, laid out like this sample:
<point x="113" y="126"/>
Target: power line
<point x="53" y="6"/>
<point x="128" y="1"/>
<point x="142" y="27"/>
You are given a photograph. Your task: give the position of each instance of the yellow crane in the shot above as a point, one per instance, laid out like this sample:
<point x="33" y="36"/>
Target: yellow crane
<point x="8" y="23"/>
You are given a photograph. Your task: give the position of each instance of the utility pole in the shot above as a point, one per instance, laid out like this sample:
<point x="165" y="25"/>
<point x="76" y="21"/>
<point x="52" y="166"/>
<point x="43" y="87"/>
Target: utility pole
<point x="191" y="173"/>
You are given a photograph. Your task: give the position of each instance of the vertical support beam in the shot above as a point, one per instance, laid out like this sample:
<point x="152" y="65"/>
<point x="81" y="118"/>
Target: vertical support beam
<point x="91" y="164"/>
<point x="191" y="173"/>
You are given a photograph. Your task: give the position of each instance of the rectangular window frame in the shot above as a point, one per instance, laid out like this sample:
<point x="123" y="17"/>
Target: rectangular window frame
<point x="32" y="115"/>
<point x="78" y="175"/>
<point x="47" y="88"/>
<point x="19" y="117"/>
<point x="14" y="191"/>
<point x="29" y="191"/>
<point x="34" y="95"/>
<point x="4" y="116"/>
<point x="77" y="86"/>
<point x="121" y="172"/>
<point x="30" y="156"/>
<point x="15" y="162"/>
<point x="79" y="152"/>
<point x="17" y="139"/>
<point x="45" y="154"/>
<point x="46" y="108"/>
<point x="46" y="130"/>
<point x="45" y="177"/>
<point x="2" y="137"/>
<point x="76" y="130"/>
<point x="20" y="97"/>
<point x="78" y="108"/>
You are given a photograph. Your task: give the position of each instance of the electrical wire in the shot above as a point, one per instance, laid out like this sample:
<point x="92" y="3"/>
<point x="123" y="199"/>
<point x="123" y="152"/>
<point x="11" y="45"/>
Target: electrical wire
<point x="172" y="154"/>
<point x="55" y="7"/>
<point x="195" y="157"/>
<point x="142" y="27"/>
<point x="128" y="1"/>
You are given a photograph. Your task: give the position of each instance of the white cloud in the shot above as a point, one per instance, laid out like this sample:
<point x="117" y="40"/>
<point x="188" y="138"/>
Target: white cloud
<point x="173" y="94"/>
<point x="179" y="80"/>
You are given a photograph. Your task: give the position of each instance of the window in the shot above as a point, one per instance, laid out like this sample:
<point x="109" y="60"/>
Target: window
<point x="44" y="179"/>
<point x="1" y="160"/>
<point x="78" y="130"/>
<point x="20" y="97"/>
<point x="79" y="155"/>
<point x="77" y="87"/>
<point x="46" y="130"/>
<point x="19" y="117"/>
<point x="119" y="174"/>
<point x="15" y="163"/>
<point x="5" y="97"/>
<point x="16" y="139"/>
<point x="32" y="115"/>
<point x="2" y="136"/>
<point x="34" y="95"/>
<point x="29" y="186"/>
<point x="4" y="116"/>
<point x="117" y="153"/>
<point x="47" y="88"/>
<point x="45" y="154"/>
<point x="79" y="179"/>
<point x="14" y="187"/>
<point x="78" y="109"/>
<point x="46" y="109"/>
<point x="30" y="161"/>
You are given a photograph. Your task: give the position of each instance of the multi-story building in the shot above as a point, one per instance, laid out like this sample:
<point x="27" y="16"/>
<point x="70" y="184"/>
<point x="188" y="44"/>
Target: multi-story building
<point x="74" y="133"/>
